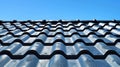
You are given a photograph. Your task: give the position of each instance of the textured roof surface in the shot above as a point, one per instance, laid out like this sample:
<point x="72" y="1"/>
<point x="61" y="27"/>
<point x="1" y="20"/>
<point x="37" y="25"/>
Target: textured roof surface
<point x="60" y="43"/>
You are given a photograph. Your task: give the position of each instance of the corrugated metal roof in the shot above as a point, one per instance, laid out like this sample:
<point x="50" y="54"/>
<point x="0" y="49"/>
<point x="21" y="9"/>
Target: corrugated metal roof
<point x="60" y="43"/>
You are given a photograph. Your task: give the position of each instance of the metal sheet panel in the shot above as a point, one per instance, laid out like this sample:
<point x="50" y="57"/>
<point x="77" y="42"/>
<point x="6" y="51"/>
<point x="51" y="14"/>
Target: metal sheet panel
<point x="60" y="44"/>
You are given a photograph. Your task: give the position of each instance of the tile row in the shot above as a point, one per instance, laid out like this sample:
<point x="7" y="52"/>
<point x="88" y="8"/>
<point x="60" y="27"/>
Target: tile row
<point x="99" y="49"/>
<point x="39" y="26"/>
<point x="91" y="39"/>
<point x="112" y="23"/>
<point x="86" y="32"/>
<point x="60" y="61"/>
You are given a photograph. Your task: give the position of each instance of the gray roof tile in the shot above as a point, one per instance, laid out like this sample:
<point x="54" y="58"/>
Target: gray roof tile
<point x="60" y="43"/>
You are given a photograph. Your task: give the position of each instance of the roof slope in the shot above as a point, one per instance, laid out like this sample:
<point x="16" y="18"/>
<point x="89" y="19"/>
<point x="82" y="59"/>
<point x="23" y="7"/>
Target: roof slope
<point x="60" y="43"/>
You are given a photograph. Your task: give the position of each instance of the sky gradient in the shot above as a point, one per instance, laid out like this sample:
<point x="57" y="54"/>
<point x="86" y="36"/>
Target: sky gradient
<point x="59" y="9"/>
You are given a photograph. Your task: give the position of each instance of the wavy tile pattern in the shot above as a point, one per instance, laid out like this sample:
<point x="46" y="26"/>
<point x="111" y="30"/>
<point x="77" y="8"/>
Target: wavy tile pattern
<point x="60" y="43"/>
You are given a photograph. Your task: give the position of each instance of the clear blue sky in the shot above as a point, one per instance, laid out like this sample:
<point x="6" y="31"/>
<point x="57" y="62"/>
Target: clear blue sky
<point x="59" y="9"/>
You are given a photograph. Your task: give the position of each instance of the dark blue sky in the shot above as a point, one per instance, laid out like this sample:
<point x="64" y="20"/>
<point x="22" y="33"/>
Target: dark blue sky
<point x="59" y="9"/>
